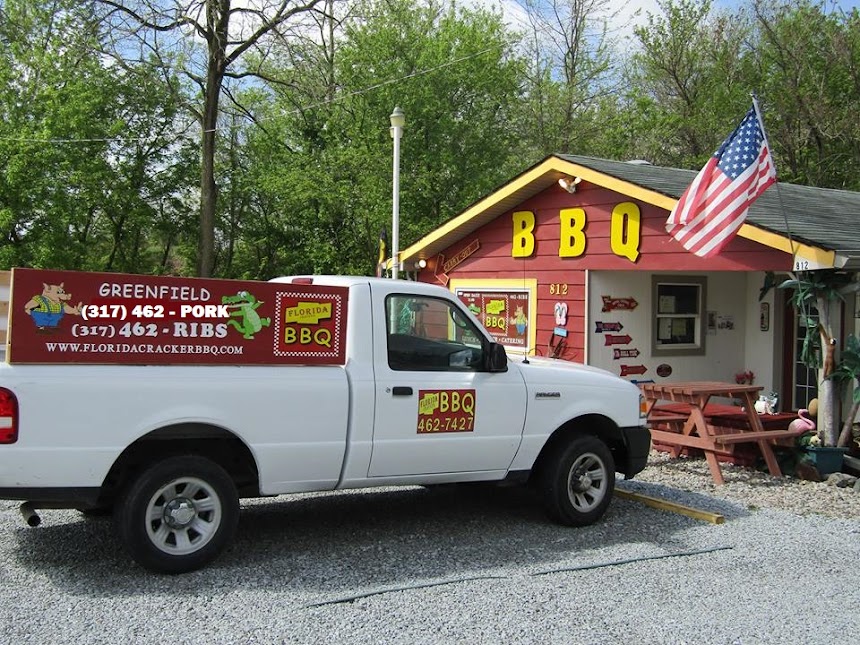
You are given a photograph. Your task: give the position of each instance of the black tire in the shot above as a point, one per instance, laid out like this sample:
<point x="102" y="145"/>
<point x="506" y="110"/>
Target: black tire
<point x="577" y="481"/>
<point x="178" y="515"/>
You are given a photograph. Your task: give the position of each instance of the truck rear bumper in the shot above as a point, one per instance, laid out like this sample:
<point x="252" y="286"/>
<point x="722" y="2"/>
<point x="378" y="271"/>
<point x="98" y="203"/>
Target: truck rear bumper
<point x="637" y="445"/>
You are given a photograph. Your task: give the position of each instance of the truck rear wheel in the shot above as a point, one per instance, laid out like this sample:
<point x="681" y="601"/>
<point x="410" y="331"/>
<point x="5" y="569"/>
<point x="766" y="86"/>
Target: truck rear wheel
<point x="178" y="515"/>
<point x="577" y="481"/>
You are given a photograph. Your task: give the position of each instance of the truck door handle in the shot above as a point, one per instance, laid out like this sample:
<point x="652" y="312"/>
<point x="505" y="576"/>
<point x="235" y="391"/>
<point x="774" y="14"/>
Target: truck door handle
<point x="401" y="390"/>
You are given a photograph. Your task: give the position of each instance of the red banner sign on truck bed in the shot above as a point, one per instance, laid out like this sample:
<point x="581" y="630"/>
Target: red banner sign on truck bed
<point x="108" y="318"/>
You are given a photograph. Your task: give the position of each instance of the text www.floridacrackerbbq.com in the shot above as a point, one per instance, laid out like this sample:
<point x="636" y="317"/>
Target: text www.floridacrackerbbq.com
<point x="142" y="348"/>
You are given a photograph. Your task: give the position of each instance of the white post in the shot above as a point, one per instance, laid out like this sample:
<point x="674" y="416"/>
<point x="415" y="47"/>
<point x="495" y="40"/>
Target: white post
<point x="398" y="120"/>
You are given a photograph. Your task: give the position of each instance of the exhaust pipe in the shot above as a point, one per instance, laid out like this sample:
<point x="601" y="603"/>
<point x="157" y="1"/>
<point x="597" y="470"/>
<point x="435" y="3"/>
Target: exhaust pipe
<point x="29" y="513"/>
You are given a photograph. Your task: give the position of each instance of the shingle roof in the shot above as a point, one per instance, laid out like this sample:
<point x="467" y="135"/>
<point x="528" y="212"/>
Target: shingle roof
<point x="822" y="217"/>
<point x="823" y="222"/>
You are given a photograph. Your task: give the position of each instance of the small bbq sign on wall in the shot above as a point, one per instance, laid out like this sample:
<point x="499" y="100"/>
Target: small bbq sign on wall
<point x="110" y="318"/>
<point x="506" y="308"/>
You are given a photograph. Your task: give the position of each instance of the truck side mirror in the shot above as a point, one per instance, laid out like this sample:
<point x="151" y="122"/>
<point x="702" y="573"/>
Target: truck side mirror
<point x="497" y="359"/>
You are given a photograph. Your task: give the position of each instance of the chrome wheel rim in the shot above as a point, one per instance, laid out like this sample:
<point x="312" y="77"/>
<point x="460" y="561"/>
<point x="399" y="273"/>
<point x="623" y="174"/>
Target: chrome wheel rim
<point x="587" y="482"/>
<point x="183" y="516"/>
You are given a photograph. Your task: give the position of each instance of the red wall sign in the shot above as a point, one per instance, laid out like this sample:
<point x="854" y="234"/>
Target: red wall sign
<point x="627" y="370"/>
<point x="112" y="318"/>
<point x="503" y="312"/>
<point x="625" y="353"/>
<point x="603" y="327"/>
<point x="614" y="339"/>
<point x="615" y="304"/>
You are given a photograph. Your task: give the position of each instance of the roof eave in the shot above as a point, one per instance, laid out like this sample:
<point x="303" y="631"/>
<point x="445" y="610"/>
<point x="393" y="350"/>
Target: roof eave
<point x="526" y="185"/>
<point x="549" y="171"/>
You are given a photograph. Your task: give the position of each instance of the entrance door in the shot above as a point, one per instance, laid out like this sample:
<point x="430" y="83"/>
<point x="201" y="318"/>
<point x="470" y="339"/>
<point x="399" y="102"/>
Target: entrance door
<point x="805" y="379"/>
<point x="437" y="411"/>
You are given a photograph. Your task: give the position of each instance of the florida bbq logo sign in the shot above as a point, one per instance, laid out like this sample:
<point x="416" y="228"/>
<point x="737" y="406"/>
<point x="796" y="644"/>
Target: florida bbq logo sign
<point x="110" y="318"/>
<point x="446" y="411"/>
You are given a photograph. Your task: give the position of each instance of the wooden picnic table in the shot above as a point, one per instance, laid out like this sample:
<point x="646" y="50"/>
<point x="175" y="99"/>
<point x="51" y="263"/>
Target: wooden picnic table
<point x="692" y="427"/>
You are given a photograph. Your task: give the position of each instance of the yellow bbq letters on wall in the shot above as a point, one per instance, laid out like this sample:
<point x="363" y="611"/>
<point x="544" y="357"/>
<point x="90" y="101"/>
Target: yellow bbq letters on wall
<point x="524" y="237"/>
<point x="625" y="232"/>
<point x="626" y="215"/>
<point x="571" y="243"/>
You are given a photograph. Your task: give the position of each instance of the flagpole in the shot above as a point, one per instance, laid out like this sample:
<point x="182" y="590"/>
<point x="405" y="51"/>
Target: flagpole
<point x="778" y="192"/>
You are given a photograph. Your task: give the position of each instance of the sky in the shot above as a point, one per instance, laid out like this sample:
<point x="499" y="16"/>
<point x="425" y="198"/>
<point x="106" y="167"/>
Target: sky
<point x="628" y="8"/>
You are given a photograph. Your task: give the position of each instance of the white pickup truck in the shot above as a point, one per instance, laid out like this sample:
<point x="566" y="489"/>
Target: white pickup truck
<point x="367" y="382"/>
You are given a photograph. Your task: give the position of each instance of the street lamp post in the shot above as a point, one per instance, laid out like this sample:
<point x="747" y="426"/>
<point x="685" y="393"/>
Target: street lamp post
<point x="398" y="120"/>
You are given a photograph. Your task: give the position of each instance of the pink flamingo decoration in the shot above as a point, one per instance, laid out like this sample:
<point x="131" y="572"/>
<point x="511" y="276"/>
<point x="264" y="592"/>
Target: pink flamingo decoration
<point x="803" y="422"/>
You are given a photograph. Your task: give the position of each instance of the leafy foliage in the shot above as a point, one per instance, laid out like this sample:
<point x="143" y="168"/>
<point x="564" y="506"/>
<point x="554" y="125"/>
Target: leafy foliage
<point x="92" y="174"/>
<point x="329" y="165"/>
<point x="848" y="368"/>
<point x="100" y="156"/>
<point x="809" y="289"/>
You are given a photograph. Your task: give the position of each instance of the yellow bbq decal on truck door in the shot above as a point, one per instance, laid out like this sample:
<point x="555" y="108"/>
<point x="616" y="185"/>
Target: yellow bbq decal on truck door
<point x="446" y="411"/>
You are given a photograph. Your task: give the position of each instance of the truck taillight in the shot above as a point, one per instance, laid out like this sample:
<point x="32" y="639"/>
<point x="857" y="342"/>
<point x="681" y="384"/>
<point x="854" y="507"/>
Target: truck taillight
<point x="8" y="416"/>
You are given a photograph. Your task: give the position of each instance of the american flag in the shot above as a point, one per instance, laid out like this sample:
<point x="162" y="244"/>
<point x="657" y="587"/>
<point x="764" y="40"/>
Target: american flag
<point x="715" y="205"/>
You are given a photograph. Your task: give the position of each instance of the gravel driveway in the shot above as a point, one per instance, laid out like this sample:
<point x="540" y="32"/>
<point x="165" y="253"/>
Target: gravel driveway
<point x="454" y="564"/>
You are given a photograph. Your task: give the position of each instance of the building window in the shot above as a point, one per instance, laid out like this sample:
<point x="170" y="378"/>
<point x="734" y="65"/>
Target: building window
<point x="678" y="306"/>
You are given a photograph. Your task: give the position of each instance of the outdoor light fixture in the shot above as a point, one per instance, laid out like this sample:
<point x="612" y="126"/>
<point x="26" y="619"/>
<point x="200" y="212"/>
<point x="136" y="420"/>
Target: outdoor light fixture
<point x="398" y="120"/>
<point x="420" y="264"/>
<point x="569" y="183"/>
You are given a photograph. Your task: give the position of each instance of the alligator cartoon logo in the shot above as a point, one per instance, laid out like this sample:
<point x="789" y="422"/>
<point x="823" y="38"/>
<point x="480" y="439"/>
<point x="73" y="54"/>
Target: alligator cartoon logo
<point x="48" y="308"/>
<point x="245" y="317"/>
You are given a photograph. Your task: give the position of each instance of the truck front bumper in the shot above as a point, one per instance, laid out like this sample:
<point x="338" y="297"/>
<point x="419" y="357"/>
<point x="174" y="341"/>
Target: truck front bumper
<point x="637" y="445"/>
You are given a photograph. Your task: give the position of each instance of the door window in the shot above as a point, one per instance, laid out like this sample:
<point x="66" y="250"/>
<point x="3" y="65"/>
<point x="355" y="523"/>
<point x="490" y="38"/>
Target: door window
<point x="805" y="378"/>
<point x="430" y="334"/>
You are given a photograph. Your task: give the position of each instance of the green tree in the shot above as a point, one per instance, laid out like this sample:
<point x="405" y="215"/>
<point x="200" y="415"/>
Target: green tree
<point x="91" y="166"/>
<point x="326" y="162"/>
<point x="690" y="82"/>
<point x="572" y="75"/>
<point x="809" y="59"/>
<point x="816" y="296"/>
<point x="208" y="39"/>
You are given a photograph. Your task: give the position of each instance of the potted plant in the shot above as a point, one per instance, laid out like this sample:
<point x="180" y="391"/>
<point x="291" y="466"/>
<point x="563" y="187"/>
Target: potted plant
<point x="826" y="459"/>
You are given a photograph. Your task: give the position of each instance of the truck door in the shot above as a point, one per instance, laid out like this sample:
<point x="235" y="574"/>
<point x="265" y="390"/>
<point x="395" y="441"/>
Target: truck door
<point x="437" y="409"/>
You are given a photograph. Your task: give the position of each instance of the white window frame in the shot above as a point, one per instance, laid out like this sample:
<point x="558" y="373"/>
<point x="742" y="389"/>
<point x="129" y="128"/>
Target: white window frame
<point x="659" y="314"/>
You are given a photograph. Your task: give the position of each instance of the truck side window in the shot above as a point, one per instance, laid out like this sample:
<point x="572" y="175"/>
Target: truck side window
<point x="430" y="334"/>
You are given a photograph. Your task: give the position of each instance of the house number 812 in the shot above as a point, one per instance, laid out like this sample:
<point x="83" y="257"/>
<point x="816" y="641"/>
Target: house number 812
<point x="557" y="289"/>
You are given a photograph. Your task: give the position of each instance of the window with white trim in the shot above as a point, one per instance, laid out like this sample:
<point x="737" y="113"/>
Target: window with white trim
<point x="679" y="312"/>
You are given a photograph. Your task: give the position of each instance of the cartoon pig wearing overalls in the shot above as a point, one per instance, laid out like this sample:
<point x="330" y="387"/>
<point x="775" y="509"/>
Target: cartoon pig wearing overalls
<point x="48" y="309"/>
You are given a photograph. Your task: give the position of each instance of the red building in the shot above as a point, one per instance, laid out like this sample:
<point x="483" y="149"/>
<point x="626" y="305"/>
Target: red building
<point x="571" y="259"/>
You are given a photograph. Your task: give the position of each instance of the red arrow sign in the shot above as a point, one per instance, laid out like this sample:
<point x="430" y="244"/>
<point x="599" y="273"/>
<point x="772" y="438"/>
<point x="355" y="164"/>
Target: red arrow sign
<point x="625" y="353"/>
<point x="612" y="339"/>
<point x="622" y="304"/>
<point x="601" y="326"/>
<point x="627" y="370"/>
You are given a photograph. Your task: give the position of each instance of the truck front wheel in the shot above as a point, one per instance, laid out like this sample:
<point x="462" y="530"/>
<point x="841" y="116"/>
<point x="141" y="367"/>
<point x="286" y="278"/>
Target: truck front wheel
<point x="178" y="515"/>
<point x="577" y="481"/>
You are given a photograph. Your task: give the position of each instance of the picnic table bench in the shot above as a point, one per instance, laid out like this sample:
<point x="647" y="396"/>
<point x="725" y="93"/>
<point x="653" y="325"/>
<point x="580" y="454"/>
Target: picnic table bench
<point x="689" y="419"/>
